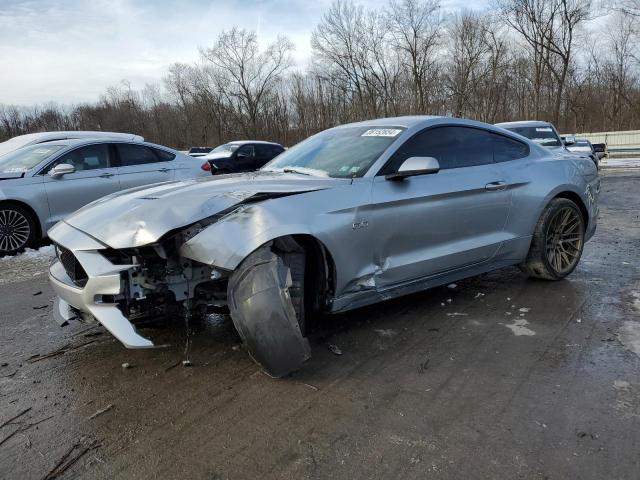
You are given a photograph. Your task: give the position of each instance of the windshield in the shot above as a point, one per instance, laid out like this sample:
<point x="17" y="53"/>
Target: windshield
<point x="24" y="159"/>
<point x="227" y="147"/>
<point x="544" y="136"/>
<point x="341" y="153"/>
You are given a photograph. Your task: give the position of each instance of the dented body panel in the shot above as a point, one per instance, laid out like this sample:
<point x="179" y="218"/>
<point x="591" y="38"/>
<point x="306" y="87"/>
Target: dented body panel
<point x="146" y="251"/>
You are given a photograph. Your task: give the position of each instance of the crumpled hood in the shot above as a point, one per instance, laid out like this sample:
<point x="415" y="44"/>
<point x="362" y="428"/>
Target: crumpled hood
<point x="141" y="216"/>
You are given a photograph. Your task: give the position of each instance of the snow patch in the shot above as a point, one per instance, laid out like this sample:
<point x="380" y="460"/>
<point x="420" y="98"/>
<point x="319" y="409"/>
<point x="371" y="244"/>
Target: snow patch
<point x="629" y="336"/>
<point x="386" y="332"/>
<point x="47" y="251"/>
<point x="519" y="328"/>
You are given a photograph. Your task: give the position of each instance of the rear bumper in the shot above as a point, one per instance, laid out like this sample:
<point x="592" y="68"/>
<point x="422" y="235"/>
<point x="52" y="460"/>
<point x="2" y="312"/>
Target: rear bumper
<point x="103" y="278"/>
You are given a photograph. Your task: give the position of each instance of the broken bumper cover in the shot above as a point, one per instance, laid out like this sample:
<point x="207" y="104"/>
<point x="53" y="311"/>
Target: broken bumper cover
<point x="102" y="280"/>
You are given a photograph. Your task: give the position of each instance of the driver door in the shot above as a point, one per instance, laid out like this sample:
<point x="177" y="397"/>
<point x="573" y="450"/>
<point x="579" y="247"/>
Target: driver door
<point x="429" y="224"/>
<point x="94" y="177"/>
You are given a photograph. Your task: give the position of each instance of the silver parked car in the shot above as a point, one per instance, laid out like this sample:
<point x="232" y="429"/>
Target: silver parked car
<point x="351" y="216"/>
<point x="43" y="137"/>
<point x="545" y="134"/>
<point x="42" y="183"/>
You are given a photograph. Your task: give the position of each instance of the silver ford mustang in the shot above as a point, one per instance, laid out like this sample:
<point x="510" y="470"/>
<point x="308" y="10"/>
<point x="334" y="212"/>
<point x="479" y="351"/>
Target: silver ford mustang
<point x="351" y="216"/>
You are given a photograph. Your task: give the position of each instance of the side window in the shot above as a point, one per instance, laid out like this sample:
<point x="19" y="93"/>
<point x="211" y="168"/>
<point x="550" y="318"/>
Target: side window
<point x="91" y="157"/>
<point x="135" y="154"/>
<point x="506" y="149"/>
<point x="453" y="147"/>
<point x="246" y="151"/>
<point x="163" y="155"/>
<point x="263" y="151"/>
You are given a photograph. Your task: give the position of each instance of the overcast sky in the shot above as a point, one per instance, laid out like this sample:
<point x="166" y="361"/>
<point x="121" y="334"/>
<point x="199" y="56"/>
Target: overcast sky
<point x="70" y="51"/>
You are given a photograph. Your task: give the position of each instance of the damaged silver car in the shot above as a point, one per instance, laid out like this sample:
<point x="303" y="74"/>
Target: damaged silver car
<point x="351" y="216"/>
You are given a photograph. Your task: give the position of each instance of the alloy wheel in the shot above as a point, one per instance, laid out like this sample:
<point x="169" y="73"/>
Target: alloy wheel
<point x="14" y="230"/>
<point x="565" y="237"/>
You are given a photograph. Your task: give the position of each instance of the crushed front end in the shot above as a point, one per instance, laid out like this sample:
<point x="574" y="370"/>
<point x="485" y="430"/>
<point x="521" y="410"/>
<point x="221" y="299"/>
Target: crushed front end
<point x="119" y="288"/>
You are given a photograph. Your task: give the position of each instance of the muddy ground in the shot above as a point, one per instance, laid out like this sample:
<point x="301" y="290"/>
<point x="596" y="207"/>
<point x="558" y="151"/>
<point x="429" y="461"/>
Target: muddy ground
<point x="500" y="377"/>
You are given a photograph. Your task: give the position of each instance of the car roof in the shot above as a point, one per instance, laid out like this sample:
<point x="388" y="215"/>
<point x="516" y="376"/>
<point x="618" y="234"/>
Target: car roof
<point x="243" y="142"/>
<point x="42" y="137"/>
<point x="524" y="123"/>
<point x="407" y="121"/>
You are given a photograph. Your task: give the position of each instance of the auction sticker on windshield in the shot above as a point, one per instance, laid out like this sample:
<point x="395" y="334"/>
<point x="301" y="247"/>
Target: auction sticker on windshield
<point x="543" y="129"/>
<point x="381" y="132"/>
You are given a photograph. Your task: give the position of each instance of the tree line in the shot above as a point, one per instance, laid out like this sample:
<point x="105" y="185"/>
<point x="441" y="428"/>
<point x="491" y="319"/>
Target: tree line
<point x="518" y="59"/>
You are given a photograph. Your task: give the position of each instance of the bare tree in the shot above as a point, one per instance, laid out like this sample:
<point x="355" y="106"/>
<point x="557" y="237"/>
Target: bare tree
<point x="245" y="74"/>
<point x="416" y="26"/>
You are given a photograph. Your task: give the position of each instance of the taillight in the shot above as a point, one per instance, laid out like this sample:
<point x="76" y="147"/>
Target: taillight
<point x="206" y="167"/>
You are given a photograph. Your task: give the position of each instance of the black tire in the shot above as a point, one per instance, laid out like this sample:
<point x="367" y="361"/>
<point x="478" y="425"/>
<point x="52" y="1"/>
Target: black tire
<point x="557" y="243"/>
<point x="18" y="229"/>
<point x="266" y="302"/>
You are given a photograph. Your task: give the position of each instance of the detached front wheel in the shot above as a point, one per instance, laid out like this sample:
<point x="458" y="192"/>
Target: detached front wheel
<point x="557" y="241"/>
<point x="17" y="229"/>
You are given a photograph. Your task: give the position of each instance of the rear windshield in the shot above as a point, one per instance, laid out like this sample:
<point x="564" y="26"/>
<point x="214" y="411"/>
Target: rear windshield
<point x="544" y="136"/>
<point x="25" y="158"/>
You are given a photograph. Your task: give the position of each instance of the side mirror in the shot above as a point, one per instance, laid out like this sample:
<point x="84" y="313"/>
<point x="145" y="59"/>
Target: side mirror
<point x="61" y="169"/>
<point x="569" y="140"/>
<point x="413" y="166"/>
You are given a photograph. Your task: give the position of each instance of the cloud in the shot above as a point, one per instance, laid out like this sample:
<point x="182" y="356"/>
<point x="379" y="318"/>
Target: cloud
<point x="70" y="51"/>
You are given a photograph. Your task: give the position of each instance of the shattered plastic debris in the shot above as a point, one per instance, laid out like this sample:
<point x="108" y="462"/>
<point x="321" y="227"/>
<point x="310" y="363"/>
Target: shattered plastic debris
<point x="126" y="365"/>
<point x="457" y="314"/>
<point x="452" y="286"/>
<point x="525" y="310"/>
<point x="479" y="294"/>
<point x="335" y="349"/>
<point x="187" y="363"/>
<point x="448" y="300"/>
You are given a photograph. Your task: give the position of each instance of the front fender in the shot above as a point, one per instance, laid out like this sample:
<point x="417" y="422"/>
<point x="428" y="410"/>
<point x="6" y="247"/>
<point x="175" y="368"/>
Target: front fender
<point x="226" y="243"/>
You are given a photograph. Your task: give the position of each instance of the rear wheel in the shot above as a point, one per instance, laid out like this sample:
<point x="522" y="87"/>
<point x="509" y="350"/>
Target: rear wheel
<point x="17" y="229"/>
<point x="557" y="241"/>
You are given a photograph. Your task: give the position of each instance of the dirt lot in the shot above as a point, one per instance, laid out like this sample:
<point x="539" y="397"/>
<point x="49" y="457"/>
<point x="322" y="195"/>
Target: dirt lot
<point x="500" y="377"/>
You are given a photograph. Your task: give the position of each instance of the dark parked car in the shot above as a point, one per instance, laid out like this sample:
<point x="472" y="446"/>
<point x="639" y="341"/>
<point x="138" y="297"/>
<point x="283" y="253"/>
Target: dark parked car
<point x="600" y="149"/>
<point x="240" y="156"/>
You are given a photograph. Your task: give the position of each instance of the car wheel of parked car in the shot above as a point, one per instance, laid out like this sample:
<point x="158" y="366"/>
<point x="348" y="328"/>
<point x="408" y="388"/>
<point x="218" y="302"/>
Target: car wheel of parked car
<point x="266" y="302"/>
<point x="17" y="229"/>
<point x="557" y="241"/>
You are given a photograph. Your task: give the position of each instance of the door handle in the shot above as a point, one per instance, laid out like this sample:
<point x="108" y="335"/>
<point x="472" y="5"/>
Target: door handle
<point x="164" y="170"/>
<point x="493" y="186"/>
<point x="106" y="175"/>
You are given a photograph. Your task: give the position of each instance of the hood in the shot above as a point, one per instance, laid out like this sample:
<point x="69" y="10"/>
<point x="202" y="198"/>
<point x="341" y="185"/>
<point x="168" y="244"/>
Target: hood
<point x="141" y="216"/>
<point x="216" y="155"/>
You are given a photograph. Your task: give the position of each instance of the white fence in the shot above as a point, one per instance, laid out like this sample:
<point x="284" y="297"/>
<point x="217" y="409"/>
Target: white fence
<point x="619" y="144"/>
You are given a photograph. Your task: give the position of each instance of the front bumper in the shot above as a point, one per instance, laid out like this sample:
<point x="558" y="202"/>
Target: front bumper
<point x="102" y="279"/>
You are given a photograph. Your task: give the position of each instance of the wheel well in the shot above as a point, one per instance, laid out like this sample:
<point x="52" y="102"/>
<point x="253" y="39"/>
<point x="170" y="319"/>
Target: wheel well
<point x="30" y="210"/>
<point x="321" y="265"/>
<point x="575" y="198"/>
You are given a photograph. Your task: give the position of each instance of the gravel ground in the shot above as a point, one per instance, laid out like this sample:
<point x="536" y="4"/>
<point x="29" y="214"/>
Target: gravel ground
<point x="500" y="377"/>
